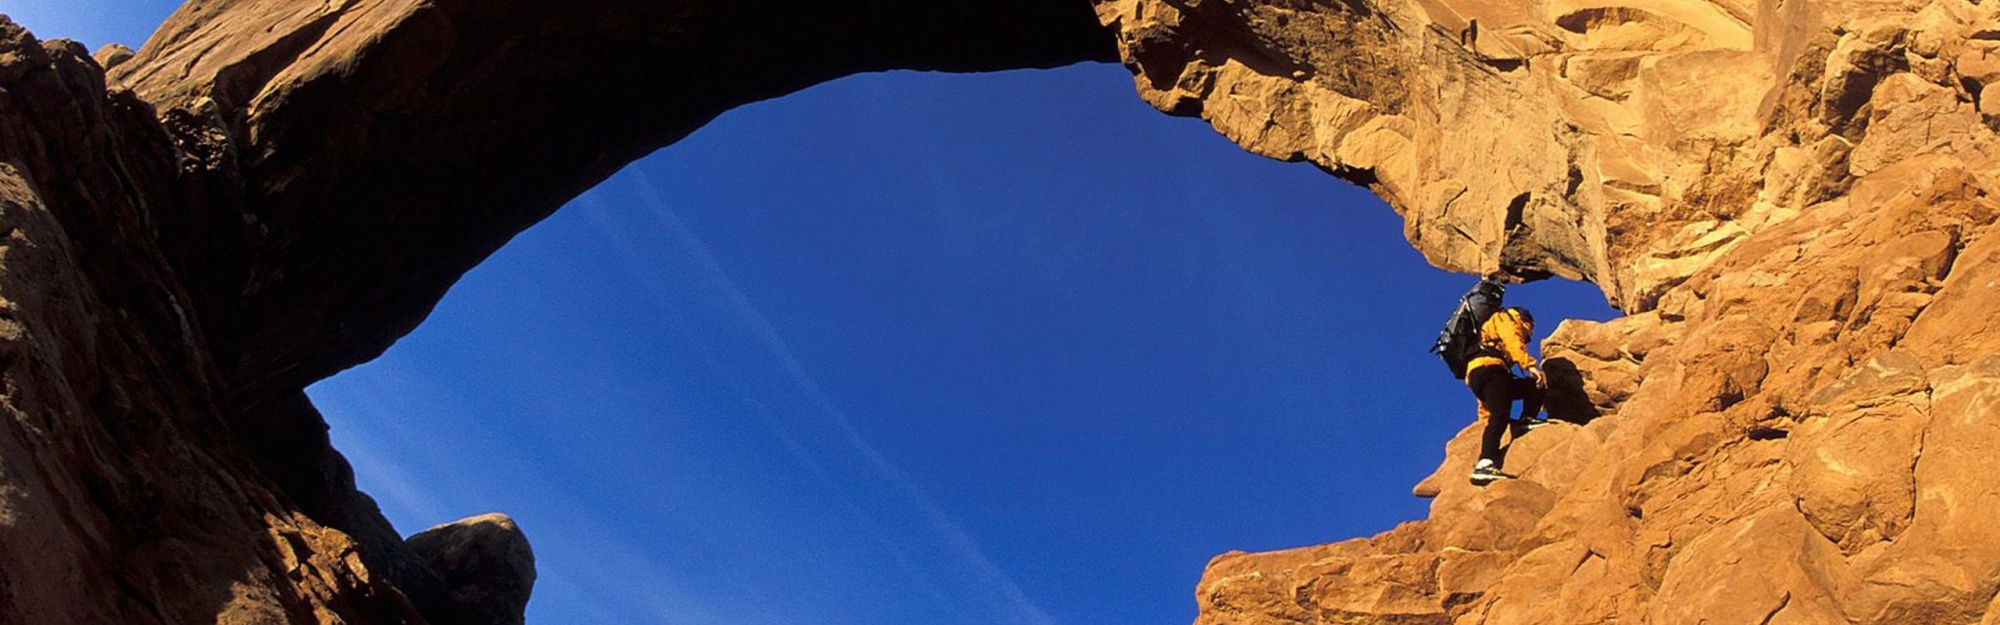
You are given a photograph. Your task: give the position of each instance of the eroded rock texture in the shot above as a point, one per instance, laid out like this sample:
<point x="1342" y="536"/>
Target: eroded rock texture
<point x="1793" y="200"/>
<point x="488" y="562"/>
<point x="272" y="190"/>
<point x="124" y="496"/>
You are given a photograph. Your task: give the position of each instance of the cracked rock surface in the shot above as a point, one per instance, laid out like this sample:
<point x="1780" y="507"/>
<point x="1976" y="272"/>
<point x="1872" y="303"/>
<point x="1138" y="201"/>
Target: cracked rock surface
<point x="1793" y="201"/>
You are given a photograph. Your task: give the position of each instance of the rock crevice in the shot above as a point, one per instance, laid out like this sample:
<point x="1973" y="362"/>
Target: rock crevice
<point x="1793" y="202"/>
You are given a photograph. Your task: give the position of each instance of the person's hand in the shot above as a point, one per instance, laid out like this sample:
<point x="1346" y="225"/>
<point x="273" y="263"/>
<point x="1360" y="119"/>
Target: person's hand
<point x="1541" y="379"/>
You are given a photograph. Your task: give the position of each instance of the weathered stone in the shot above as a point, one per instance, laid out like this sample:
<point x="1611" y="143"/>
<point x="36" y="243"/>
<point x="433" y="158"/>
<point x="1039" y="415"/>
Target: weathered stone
<point x="112" y="55"/>
<point x="1854" y="472"/>
<point x="1794" y="201"/>
<point x="1753" y="569"/>
<point x="487" y="567"/>
<point x="177" y="256"/>
<point x="1945" y="567"/>
<point x="124" y="497"/>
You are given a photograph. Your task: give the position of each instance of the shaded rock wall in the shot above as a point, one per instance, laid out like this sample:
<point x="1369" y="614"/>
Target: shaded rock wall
<point x="124" y="496"/>
<point x="373" y="151"/>
<point x="272" y="190"/>
<point x="1792" y="199"/>
<point x="488" y="563"/>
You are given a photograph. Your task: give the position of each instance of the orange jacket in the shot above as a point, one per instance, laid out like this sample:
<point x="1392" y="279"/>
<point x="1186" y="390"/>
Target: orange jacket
<point x="1506" y="335"/>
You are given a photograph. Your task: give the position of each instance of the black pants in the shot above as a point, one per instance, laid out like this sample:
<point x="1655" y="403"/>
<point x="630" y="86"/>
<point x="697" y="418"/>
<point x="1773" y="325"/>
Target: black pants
<point x="1497" y="388"/>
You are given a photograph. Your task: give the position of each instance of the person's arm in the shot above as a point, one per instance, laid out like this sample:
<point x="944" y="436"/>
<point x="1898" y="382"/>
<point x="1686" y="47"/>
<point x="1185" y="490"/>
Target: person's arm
<point x="1515" y="343"/>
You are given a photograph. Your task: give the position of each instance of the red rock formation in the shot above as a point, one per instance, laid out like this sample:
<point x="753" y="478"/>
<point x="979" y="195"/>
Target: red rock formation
<point x="273" y="190"/>
<point x="1794" y="201"/>
<point x="124" y="496"/>
<point x="488" y="563"/>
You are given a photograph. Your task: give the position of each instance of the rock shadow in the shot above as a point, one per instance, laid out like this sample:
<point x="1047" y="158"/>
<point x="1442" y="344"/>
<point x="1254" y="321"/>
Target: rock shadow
<point x="1567" y="400"/>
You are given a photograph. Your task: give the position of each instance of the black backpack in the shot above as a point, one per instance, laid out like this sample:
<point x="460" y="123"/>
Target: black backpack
<point x="1459" y="342"/>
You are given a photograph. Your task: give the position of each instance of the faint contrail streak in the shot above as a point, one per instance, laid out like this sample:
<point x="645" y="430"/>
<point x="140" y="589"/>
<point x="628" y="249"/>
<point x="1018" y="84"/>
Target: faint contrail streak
<point x="1016" y="607"/>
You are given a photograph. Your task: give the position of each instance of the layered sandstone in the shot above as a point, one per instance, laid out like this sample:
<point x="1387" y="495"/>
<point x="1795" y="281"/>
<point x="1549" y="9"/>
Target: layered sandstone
<point x="124" y="495"/>
<point x="1793" y="200"/>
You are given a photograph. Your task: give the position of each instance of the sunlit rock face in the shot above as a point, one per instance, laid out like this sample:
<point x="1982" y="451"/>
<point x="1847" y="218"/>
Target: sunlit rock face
<point x="1629" y="143"/>
<point x="1794" y="201"/>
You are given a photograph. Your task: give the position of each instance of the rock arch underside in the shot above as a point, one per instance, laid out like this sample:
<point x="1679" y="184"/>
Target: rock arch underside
<point x="1796" y="422"/>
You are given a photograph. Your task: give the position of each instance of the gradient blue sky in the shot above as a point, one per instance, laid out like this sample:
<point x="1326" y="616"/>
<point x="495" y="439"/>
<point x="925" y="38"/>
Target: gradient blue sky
<point x="915" y="348"/>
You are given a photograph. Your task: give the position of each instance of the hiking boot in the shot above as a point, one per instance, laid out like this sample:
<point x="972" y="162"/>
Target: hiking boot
<point x="1531" y="424"/>
<point x="1486" y="472"/>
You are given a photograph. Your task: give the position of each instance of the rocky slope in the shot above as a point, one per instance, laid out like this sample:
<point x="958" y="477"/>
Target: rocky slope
<point x="1794" y="202"/>
<point x="1792" y="199"/>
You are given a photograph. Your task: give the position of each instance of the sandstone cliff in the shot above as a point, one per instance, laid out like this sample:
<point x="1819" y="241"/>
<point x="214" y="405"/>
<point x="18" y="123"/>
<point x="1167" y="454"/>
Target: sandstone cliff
<point x="1794" y="203"/>
<point x="1791" y="199"/>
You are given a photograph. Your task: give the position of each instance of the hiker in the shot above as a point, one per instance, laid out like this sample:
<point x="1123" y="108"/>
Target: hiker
<point x="1502" y="345"/>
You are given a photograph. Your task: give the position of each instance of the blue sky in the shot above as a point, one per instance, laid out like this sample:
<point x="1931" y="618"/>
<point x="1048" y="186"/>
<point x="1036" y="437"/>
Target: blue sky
<point x="916" y="348"/>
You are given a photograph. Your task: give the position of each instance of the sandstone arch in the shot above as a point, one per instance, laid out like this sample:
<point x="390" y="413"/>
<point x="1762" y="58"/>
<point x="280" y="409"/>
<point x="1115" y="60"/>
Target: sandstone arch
<point x="1793" y="199"/>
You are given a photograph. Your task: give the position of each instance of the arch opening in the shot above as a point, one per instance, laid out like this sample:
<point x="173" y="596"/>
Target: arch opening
<point x="919" y="347"/>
